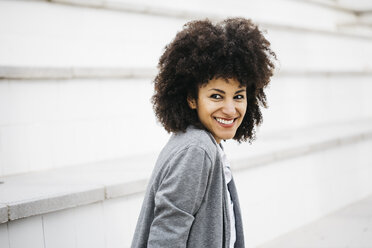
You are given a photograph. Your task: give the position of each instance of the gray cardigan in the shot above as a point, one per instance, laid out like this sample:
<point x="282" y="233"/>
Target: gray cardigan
<point x="185" y="203"/>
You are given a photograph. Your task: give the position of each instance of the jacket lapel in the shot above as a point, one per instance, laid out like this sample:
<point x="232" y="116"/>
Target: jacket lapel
<point x="239" y="243"/>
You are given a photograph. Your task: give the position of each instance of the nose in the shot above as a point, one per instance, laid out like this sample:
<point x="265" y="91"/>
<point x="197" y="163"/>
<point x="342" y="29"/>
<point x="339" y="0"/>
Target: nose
<point x="229" y="108"/>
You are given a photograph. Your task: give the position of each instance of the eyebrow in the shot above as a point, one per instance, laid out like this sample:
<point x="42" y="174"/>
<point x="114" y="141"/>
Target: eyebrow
<point x="223" y="92"/>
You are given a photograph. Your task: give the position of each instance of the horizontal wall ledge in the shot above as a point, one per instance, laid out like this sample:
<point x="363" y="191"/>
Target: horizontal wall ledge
<point x="325" y="73"/>
<point x="55" y="202"/>
<point x="190" y="15"/>
<point x="3" y="213"/>
<point x="42" y="192"/>
<point x="328" y="4"/>
<point x="284" y="153"/>
<point x="324" y="3"/>
<point x="336" y="5"/>
<point x="50" y="73"/>
<point x="274" y="147"/>
<point x="24" y="72"/>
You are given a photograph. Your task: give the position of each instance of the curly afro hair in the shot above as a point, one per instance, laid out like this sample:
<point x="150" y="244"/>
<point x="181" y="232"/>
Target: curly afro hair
<point x="233" y="48"/>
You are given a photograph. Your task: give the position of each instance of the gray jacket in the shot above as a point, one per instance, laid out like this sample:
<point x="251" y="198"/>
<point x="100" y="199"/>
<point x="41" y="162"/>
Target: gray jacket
<point x="185" y="203"/>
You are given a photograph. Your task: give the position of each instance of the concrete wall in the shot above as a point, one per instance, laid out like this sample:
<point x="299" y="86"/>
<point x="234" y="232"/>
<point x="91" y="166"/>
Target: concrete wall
<point x="75" y="88"/>
<point x="286" y="195"/>
<point x="105" y="224"/>
<point x="51" y="123"/>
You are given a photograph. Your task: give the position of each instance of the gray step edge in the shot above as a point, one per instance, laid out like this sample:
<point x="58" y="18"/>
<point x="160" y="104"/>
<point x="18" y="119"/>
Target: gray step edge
<point x="32" y="207"/>
<point x="37" y="72"/>
<point x="3" y="213"/>
<point x="298" y="151"/>
<point x="50" y="73"/>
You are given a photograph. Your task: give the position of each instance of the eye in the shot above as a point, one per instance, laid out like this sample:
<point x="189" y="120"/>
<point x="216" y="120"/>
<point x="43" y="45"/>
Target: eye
<point x="216" y="96"/>
<point x="239" y="97"/>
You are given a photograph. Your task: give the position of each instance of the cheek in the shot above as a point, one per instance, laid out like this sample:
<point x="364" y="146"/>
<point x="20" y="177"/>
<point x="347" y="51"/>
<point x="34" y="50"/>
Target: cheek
<point x="204" y="106"/>
<point x="203" y="113"/>
<point x="243" y="109"/>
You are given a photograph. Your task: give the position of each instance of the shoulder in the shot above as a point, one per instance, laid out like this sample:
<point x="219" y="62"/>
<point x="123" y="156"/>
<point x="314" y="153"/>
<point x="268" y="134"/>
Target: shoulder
<point x="191" y="140"/>
<point x="196" y="138"/>
<point x="193" y="152"/>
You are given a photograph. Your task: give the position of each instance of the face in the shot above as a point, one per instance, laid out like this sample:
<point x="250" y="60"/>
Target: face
<point x="221" y="107"/>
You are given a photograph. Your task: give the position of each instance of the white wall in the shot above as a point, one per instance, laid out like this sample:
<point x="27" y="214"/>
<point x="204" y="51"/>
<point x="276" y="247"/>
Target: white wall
<point x="296" y="102"/>
<point x="283" y="196"/>
<point x="98" y="37"/>
<point x="53" y="123"/>
<point x="49" y="124"/>
<point x="105" y="224"/>
<point x="324" y="77"/>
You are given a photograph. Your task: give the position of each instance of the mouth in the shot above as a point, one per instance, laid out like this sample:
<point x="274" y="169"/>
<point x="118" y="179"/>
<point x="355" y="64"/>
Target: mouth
<point x="225" y="122"/>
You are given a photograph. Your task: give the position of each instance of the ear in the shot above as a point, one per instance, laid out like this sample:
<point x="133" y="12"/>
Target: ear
<point x="191" y="102"/>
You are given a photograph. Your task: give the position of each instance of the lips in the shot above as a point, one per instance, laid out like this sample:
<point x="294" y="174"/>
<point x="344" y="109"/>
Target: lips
<point x="225" y="122"/>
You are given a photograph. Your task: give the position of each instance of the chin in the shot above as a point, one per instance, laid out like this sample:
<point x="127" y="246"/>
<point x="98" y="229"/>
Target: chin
<point x="226" y="136"/>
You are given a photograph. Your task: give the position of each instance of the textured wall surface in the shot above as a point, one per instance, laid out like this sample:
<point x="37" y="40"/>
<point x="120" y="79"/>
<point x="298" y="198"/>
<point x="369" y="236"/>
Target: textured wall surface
<point x="75" y="88"/>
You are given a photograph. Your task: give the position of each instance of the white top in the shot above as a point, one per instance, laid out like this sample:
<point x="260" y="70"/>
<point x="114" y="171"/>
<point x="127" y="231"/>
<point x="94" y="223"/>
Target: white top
<point x="228" y="177"/>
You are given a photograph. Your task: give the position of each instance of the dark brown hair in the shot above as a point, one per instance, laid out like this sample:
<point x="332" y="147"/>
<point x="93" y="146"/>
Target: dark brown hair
<point x="233" y="48"/>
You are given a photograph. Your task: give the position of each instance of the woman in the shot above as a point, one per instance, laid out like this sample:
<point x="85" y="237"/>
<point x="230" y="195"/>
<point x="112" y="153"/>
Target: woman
<point x="208" y="89"/>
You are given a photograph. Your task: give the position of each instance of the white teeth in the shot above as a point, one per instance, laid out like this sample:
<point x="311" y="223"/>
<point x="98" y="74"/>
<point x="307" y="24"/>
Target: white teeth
<point x="224" y="121"/>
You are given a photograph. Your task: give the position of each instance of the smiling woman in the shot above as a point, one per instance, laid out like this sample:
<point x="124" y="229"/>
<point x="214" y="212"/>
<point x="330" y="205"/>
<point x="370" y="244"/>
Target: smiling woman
<point x="220" y="106"/>
<point x="209" y="88"/>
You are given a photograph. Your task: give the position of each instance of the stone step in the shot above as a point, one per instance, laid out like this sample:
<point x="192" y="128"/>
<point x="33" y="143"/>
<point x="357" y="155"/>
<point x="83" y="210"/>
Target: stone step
<point x="359" y="27"/>
<point x="287" y="13"/>
<point x="53" y="123"/>
<point x="96" y="38"/>
<point x="67" y="73"/>
<point x="30" y="194"/>
<point x="350" y="227"/>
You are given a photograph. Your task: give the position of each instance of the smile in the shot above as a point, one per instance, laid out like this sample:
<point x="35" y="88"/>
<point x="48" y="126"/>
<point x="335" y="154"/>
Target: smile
<point x="224" y="121"/>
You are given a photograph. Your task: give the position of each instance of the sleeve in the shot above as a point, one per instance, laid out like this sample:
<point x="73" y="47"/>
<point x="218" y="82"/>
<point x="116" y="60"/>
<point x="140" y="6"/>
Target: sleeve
<point x="179" y="197"/>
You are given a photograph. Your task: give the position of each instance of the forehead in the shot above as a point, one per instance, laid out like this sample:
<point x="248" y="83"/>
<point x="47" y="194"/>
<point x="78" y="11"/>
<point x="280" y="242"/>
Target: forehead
<point x="223" y="83"/>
